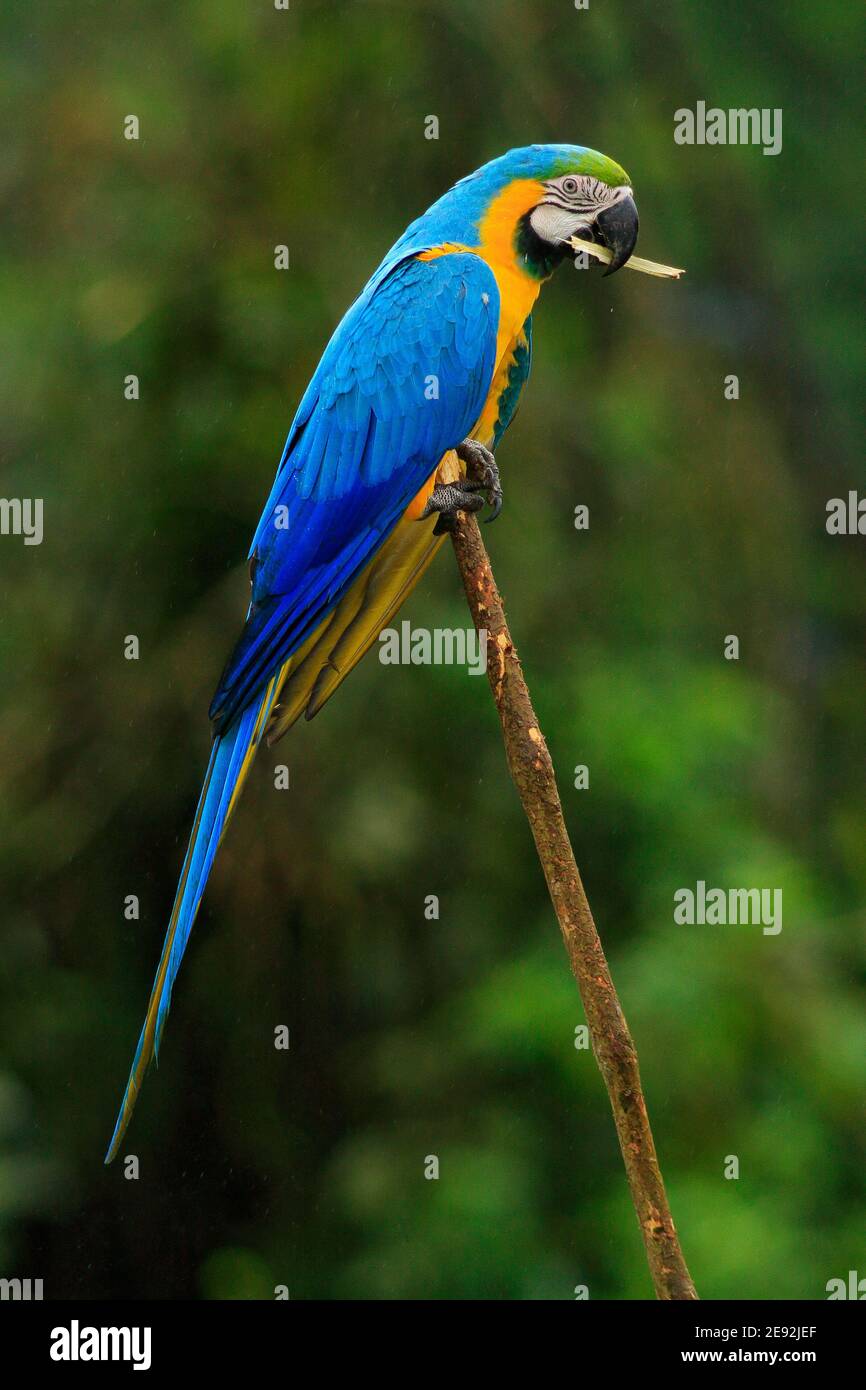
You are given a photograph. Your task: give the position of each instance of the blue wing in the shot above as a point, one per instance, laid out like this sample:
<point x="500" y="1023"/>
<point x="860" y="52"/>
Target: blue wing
<point x="403" y="379"/>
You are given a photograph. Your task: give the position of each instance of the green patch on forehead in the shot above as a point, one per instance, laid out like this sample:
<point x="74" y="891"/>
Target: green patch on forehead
<point x="596" y="165"/>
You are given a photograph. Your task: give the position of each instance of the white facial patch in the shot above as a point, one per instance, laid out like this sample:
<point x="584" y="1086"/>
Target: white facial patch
<point x="555" y="224"/>
<point x="571" y="204"/>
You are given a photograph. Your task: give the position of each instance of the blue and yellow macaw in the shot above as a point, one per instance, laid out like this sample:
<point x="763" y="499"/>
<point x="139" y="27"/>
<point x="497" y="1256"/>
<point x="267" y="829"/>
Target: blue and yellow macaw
<point x="431" y="358"/>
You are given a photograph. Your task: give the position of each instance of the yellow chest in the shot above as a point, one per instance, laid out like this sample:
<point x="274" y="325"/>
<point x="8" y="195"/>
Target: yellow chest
<point x="509" y="336"/>
<point x="517" y="296"/>
<point x="518" y="290"/>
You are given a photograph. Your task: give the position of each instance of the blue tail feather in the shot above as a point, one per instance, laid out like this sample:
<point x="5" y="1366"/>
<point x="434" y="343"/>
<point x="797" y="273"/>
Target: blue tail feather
<point x="222" y="779"/>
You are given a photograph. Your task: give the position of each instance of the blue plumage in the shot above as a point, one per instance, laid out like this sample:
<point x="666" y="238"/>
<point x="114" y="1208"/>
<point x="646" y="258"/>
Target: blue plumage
<point x="402" y="380"/>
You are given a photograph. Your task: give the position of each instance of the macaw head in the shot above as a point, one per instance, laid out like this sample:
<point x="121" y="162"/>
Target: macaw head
<point x="581" y="193"/>
<point x="524" y="207"/>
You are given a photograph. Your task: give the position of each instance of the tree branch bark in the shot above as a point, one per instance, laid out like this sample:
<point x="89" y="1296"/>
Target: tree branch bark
<point x="531" y="768"/>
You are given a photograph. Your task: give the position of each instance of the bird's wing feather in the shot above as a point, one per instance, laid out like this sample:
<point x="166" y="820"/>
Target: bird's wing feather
<point x="403" y="379"/>
<point x="317" y="669"/>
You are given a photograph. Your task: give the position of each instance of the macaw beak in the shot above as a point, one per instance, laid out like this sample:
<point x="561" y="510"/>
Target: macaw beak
<point x="617" y="228"/>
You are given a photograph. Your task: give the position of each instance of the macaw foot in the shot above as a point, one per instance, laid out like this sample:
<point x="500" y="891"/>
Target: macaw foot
<point x="482" y="472"/>
<point x="469" y="494"/>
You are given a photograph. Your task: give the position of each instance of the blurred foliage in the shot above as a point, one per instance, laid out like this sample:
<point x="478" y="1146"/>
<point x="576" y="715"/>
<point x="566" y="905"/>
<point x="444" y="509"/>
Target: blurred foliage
<point x="411" y="1037"/>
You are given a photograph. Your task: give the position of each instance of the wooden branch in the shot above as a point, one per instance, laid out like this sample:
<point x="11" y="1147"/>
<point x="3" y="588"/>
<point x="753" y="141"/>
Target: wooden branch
<point x="531" y="768"/>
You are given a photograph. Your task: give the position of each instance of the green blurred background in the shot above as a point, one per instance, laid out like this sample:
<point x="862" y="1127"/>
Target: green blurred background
<point x="412" y="1037"/>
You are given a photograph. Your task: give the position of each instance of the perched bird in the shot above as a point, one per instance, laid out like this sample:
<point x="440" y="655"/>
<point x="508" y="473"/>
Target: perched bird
<point x="432" y="357"/>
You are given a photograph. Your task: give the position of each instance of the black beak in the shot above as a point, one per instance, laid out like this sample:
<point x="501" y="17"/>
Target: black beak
<point x="617" y="227"/>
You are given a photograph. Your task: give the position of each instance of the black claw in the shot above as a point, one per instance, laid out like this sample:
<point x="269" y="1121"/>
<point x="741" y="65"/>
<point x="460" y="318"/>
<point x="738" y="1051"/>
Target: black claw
<point x="495" y="506"/>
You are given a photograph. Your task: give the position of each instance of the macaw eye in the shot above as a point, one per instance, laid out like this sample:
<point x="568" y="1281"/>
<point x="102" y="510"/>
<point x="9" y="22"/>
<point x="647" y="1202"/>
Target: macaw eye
<point x="569" y="185"/>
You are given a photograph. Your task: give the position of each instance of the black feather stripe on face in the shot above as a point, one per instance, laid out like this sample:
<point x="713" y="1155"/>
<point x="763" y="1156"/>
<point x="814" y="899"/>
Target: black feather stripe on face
<point x="539" y="257"/>
<point x="590" y="197"/>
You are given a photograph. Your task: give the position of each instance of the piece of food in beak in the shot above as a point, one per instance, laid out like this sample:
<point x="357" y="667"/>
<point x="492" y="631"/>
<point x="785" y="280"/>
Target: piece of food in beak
<point x="601" y="253"/>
